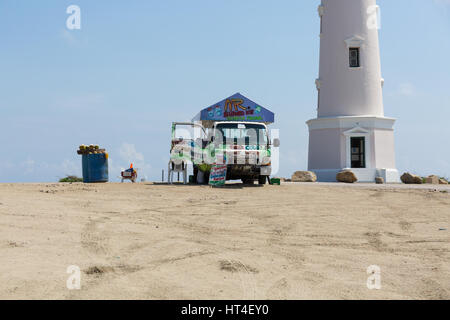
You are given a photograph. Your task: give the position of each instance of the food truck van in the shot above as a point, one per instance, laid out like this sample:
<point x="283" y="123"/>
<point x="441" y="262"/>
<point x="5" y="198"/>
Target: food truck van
<point x="233" y="133"/>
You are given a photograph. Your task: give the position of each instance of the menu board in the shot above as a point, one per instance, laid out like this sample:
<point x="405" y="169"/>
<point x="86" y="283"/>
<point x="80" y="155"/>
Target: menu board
<point x="218" y="175"/>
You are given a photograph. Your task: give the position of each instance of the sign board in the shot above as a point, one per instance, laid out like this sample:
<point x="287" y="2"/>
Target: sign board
<point x="218" y="175"/>
<point x="236" y="108"/>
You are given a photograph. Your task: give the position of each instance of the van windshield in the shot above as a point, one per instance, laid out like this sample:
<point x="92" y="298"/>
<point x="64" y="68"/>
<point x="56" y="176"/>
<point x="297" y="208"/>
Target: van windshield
<point x="242" y="134"/>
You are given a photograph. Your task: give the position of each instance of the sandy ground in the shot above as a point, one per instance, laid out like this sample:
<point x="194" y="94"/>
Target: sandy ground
<point x="293" y="241"/>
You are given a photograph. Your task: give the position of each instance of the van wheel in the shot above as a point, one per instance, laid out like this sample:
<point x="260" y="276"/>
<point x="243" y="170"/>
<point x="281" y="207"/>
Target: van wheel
<point x="195" y="174"/>
<point x="262" y="180"/>
<point x="207" y="177"/>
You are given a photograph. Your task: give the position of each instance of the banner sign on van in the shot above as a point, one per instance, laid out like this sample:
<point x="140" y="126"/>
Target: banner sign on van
<point x="236" y="108"/>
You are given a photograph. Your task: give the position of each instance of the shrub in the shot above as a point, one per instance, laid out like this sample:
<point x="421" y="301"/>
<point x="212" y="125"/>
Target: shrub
<point x="71" y="179"/>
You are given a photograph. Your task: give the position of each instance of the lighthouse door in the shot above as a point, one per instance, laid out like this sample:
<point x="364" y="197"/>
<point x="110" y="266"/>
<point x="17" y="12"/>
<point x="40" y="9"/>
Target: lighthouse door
<point x="358" y="152"/>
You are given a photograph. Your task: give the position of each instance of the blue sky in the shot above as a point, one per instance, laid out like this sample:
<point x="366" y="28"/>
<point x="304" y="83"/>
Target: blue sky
<point x="136" y="66"/>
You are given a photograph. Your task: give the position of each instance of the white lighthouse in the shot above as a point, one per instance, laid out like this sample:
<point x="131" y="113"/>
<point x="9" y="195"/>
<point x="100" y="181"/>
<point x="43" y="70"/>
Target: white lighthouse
<point x="351" y="131"/>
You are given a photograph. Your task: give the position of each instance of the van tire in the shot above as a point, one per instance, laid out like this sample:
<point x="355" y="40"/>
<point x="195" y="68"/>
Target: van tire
<point x="262" y="180"/>
<point x="195" y="174"/>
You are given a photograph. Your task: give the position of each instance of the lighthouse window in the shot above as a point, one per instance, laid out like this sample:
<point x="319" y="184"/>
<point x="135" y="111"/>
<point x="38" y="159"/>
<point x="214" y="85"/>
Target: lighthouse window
<point x="354" y="58"/>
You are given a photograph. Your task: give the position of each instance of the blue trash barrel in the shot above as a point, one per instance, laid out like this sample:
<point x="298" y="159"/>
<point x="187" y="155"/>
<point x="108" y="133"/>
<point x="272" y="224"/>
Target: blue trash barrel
<point x="95" y="167"/>
<point x="84" y="166"/>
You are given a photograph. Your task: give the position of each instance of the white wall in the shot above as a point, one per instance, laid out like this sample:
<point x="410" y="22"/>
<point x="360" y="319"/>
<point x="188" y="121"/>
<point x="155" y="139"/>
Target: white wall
<point x="324" y="149"/>
<point x="385" y="148"/>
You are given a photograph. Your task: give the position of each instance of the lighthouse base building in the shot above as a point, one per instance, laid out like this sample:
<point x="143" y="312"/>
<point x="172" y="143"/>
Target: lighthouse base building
<point x="363" y="144"/>
<point x="351" y="131"/>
